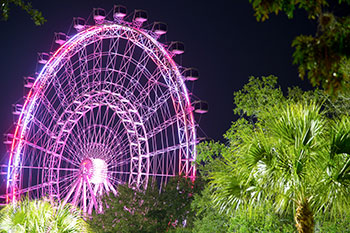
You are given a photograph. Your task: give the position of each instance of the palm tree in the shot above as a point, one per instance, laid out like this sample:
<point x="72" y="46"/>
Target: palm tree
<point x="40" y="216"/>
<point x="297" y="160"/>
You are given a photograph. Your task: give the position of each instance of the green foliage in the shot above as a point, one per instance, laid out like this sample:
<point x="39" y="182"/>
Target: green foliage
<point x="36" y="15"/>
<point x="149" y="210"/>
<point x="125" y="213"/>
<point x="324" y="57"/>
<point x="263" y="8"/>
<point x="257" y="95"/>
<point x="333" y="106"/>
<point x="41" y="216"/>
<point x="333" y="225"/>
<point x="314" y="8"/>
<point x="262" y="219"/>
<point x="181" y="230"/>
<point x="295" y="152"/>
<point x="208" y="219"/>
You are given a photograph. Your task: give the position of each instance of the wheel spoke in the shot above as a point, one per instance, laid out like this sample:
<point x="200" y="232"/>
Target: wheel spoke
<point x="106" y="98"/>
<point x="71" y="191"/>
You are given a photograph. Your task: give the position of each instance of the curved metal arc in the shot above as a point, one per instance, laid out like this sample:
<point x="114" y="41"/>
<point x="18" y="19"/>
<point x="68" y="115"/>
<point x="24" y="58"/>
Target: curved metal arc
<point x="55" y="59"/>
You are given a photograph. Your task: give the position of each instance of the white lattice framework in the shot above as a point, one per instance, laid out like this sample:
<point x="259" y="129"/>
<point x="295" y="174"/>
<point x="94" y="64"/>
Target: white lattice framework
<point x="109" y="107"/>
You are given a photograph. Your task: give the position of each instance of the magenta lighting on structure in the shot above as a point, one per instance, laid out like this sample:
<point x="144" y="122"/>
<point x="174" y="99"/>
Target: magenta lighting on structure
<point x="109" y="106"/>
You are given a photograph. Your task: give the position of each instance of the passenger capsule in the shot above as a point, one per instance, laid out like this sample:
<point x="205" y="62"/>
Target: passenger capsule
<point x="17" y="109"/>
<point x="177" y="47"/>
<point x="8" y="138"/>
<point x="159" y="28"/>
<point x="191" y="74"/>
<point x="119" y="12"/>
<point x="43" y="58"/>
<point x="140" y="16"/>
<point x="200" y="107"/>
<point x="79" y="23"/>
<point x="29" y="82"/>
<point x="99" y="14"/>
<point x="60" y="38"/>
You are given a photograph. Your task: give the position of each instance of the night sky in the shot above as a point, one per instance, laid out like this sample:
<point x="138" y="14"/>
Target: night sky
<point x="222" y="38"/>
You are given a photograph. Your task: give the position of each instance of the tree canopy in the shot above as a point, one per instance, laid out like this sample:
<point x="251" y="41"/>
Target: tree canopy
<point x="285" y="155"/>
<point x="324" y="57"/>
<point x="5" y="6"/>
<point x="148" y="210"/>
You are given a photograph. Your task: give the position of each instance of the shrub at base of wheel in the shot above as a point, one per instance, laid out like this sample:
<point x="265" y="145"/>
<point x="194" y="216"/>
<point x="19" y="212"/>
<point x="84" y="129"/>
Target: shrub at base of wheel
<point x="41" y="216"/>
<point x="148" y="210"/>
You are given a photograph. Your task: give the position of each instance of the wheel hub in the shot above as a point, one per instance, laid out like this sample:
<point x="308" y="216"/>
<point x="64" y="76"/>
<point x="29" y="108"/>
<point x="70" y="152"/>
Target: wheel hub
<point x="95" y="170"/>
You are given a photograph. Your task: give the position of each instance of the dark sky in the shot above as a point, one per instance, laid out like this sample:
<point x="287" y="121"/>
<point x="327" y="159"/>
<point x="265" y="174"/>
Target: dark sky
<point x="222" y="39"/>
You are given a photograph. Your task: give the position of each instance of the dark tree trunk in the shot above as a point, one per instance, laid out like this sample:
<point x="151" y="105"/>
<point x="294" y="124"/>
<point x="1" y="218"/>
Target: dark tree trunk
<point x="304" y="218"/>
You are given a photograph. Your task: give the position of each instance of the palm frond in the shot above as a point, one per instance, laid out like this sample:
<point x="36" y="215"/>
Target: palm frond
<point x="40" y="216"/>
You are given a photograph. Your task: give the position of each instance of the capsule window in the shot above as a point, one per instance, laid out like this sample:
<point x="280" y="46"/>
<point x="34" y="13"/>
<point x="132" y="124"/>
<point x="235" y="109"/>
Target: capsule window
<point x="119" y="11"/>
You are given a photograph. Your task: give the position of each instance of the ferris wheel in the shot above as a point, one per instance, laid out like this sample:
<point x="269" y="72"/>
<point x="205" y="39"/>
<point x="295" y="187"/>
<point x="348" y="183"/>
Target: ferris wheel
<point x="109" y="106"/>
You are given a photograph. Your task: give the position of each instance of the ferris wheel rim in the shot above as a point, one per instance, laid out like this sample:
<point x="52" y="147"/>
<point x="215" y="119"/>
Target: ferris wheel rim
<point x="29" y="104"/>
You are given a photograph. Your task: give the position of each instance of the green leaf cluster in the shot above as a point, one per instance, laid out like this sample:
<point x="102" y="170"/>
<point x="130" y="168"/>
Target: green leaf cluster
<point x="263" y="8"/>
<point x="36" y="15"/>
<point x="257" y="95"/>
<point x="41" y="216"/>
<point x="148" y="210"/>
<point x="324" y="57"/>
